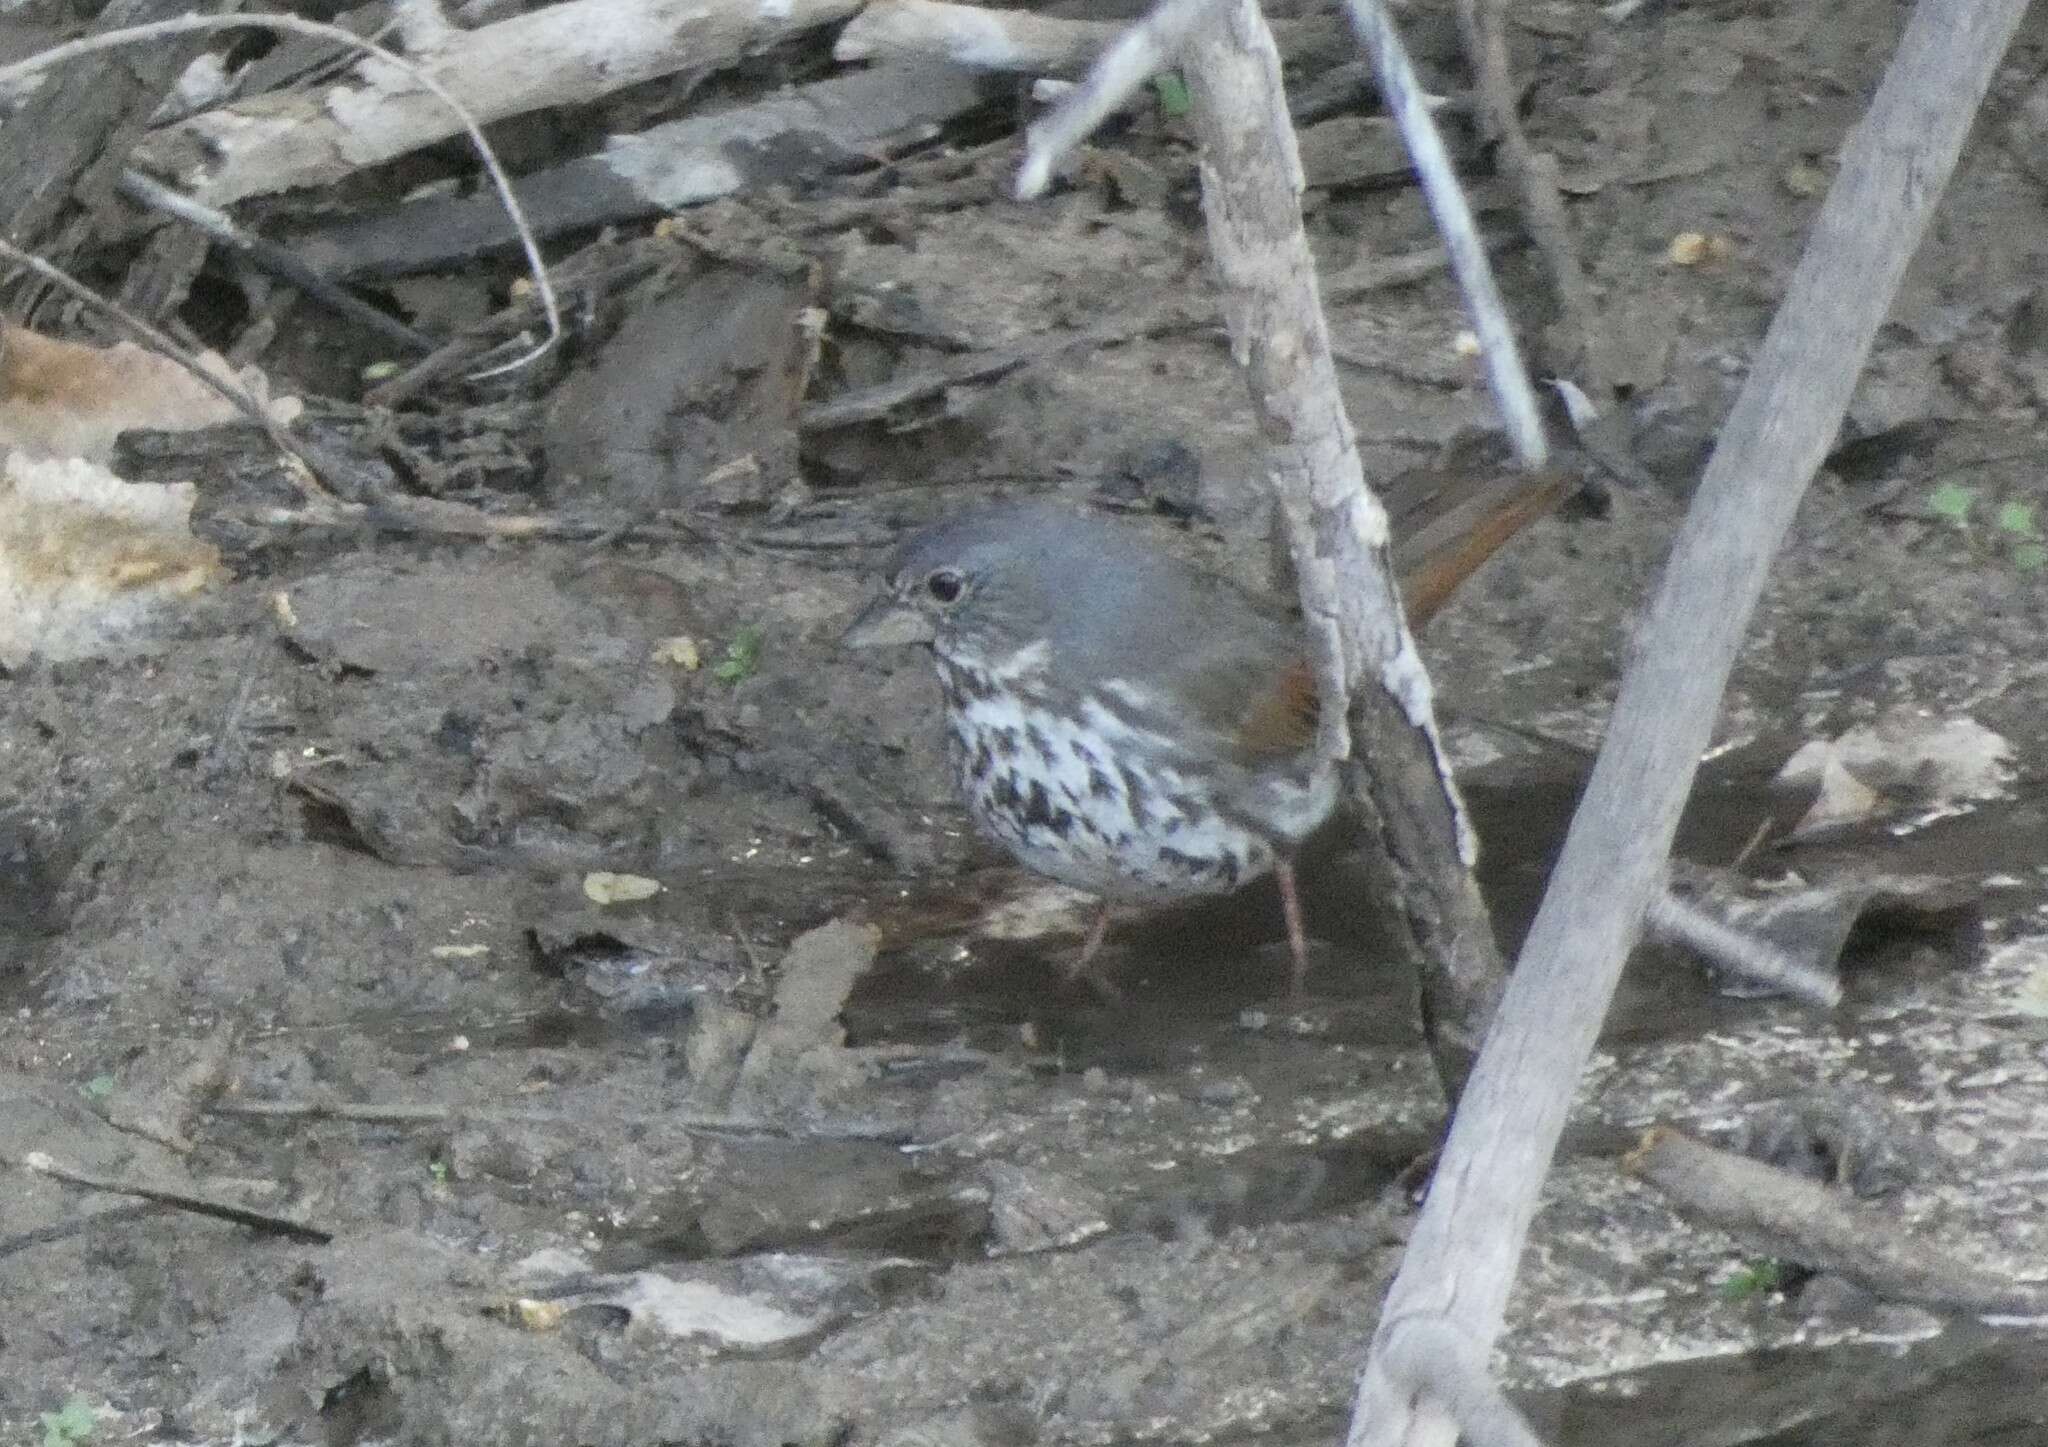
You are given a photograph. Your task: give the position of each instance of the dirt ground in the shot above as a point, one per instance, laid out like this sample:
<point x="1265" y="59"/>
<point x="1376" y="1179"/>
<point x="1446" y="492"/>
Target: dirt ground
<point x="813" y="1145"/>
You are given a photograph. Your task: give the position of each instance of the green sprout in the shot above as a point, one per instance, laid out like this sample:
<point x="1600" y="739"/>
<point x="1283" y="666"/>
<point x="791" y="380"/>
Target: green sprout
<point x="1952" y="501"/>
<point x="1173" y="94"/>
<point x="2017" y="519"/>
<point x="75" y="1423"/>
<point x="742" y="656"/>
<point x="1754" y="1279"/>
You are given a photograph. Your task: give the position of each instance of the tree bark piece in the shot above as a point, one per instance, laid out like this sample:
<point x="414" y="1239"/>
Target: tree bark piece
<point x="790" y="137"/>
<point x="1373" y="685"/>
<point x="63" y="150"/>
<point x="1806" y="1222"/>
<point x="974" y="37"/>
<point x="1461" y="1260"/>
<point x="561" y="55"/>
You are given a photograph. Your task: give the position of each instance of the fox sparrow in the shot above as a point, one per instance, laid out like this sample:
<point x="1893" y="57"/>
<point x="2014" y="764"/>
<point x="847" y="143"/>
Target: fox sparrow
<point x="1119" y="720"/>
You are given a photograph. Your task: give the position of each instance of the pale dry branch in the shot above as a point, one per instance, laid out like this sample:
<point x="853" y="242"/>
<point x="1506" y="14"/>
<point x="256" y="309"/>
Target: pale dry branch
<point x="1377" y="706"/>
<point x="1748" y="957"/>
<point x="1461" y="1260"/>
<point x="1141" y="52"/>
<point x="974" y="37"/>
<point x="564" y="54"/>
<point x="233" y="392"/>
<point x="1774" y="1211"/>
<point x="1409" y="106"/>
<point x="1534" y="174"/>
<point x="1452" y="1370"/>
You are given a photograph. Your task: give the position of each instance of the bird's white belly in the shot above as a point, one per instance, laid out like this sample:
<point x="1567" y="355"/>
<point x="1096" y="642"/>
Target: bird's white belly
<point x="1104" y="807"/>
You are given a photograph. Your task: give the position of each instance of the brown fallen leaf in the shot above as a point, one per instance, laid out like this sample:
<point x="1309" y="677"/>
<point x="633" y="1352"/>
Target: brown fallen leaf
<point x="67" y="399"/>
<point x="86" y="558"/>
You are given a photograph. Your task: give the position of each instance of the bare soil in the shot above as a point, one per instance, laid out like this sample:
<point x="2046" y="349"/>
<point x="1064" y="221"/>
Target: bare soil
<point x="814" y="1145"/>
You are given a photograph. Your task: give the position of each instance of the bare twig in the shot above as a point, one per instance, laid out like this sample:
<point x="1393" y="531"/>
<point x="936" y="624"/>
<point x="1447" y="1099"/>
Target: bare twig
<point x="1460" y="1263"/>
<point x="1138" y="54"/>
<point x="237" y="396"/>
<point x="210" y="24"/>
<point x="1750" y="958"/>
<point x="1786" y="1215"/>
<point x="1409" y="106"/>
<point x="401" y="1114"/>
<point x="43" y="1165"/>
<point x="272" y="258"/>
<point x="1534" y="174"/>
<point x="1373" y="686"/>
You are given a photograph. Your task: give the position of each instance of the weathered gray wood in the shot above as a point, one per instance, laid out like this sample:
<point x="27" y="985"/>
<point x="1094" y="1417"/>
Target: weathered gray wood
<point x="1376" y="702"/>
<point x="63" y="151"/>
<point x="1462" y="1258"/>
<point x="561" y="54"/>
<point x="974" y="36"/>
<point x="1803" y="1221"/>
<point x="789" y="137"/>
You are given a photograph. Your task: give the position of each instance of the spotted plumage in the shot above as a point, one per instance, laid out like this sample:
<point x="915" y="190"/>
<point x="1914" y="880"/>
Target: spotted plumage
<point x="1118" y="720"/>
<point x="1130" y="725"/>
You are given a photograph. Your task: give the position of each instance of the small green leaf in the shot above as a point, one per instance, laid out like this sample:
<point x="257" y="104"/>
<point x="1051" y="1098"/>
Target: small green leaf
<point x="1753" y="1279"/>
<point x="1952" y="501"/>
<point x="1173" y="94"/>
<point x="2017" y="518"/>
<point x="742" y="656"/>
<point x="97" y="1088"/>
<point x="2030" y="557"/>
<point x="74" y="1424"/>
<point x="439" y="1171"/>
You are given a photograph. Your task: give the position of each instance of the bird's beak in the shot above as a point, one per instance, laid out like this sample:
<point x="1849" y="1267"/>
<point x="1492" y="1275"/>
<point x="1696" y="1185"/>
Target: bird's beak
<point x="888" y="622"/>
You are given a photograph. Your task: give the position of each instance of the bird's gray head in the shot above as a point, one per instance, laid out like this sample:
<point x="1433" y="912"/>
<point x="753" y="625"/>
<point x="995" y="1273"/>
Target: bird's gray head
<point x="987" y="584"/>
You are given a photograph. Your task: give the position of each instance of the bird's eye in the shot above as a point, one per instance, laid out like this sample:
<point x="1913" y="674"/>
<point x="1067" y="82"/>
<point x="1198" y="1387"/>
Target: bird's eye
<point x="945" y="586"/>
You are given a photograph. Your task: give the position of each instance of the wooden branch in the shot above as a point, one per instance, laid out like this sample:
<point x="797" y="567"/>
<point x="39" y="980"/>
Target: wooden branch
<point x="1461" y="1259"/>
<point x="974" y="37"/>
<point x="269" y="257"/>
<point x="1534" y="174"/>
<point x="796" y="133"/>
<point x="178" y="1198"/>
<point x="1742" y="953"/>
<point x="980" y="37"/>
<point x="407" y="1114"/>
<point x="1374" y="689"/>
<point x="1785" y="1215"/>
<point x="1405" y="99"/>
<point x="131" y="36"/>
<point x="562" y="54"/>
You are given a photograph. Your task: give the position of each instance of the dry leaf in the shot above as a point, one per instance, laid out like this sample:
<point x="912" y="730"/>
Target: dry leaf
<point x="601" y="886"/>
<point x="66" y="399"/>
<point x="86" y="558"/>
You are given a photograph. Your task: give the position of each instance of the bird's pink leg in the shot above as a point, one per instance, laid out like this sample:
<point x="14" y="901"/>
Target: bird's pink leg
<point x="1297" y="933"/>
<point x="1079" y="969"/>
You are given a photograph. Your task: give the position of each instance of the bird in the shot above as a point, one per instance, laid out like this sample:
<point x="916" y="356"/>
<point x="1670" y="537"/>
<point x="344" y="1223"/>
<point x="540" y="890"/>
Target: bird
<point x="1124" y="722"/>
